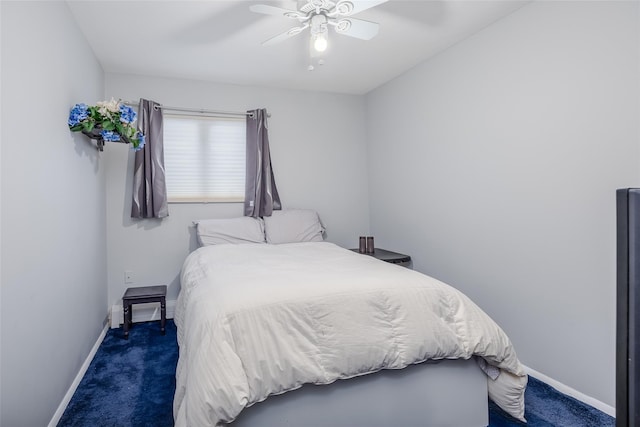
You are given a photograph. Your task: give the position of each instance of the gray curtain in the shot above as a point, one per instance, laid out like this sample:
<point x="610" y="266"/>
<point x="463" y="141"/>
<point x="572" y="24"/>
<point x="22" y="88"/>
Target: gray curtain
<point x="149" y="187"/>
<point x="261" y="194"/>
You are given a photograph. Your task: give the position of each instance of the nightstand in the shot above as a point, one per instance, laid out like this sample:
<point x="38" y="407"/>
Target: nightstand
<point x="144" y="294"/>
<point x="390" y="257"/>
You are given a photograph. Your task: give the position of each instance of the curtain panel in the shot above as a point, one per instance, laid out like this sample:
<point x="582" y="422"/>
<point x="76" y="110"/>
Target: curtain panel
<point x="149" y="186"/>
<point x="261" y="194"/>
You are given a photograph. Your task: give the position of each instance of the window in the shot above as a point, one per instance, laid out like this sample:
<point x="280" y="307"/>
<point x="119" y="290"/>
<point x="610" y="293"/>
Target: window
<point x="204" y="158"/>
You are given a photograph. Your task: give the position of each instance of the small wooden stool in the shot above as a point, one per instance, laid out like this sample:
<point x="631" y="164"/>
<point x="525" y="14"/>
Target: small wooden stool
<point x="141" y="295"/>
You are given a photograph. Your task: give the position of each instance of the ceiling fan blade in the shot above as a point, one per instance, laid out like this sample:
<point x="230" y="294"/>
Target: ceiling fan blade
<point x="351" y="7"/>
<point x="278" y="11"/>
<point x="357" y="28"/>
<point x="287" y="34"/>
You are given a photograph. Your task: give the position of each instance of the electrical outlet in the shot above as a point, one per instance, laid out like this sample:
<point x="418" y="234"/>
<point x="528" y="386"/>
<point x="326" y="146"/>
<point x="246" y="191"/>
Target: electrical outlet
<point x="128" y="277"/>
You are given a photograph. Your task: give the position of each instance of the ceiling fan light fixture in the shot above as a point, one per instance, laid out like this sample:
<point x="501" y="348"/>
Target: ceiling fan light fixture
<point x="319" y="33"/>
<point x="320" y="42"/>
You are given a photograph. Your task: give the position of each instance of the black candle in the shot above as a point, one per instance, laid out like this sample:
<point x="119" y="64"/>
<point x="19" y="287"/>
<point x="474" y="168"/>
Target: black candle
<point x="370" y="248"/>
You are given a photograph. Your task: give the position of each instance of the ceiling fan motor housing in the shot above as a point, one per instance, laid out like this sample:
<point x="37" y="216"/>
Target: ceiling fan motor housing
<point x="316" y="6"/>
<point x="318" y="23"/>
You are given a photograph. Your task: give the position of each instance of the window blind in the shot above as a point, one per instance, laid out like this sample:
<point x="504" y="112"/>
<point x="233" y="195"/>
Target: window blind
<point x="204" y="158"/>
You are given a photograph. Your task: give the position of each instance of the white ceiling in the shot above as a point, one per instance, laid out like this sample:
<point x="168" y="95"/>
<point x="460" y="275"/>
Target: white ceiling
<point x="220" y="41"/>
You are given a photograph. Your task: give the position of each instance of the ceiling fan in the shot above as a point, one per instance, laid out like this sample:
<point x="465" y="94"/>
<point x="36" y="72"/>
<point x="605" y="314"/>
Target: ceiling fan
<point x="319" y="15"/>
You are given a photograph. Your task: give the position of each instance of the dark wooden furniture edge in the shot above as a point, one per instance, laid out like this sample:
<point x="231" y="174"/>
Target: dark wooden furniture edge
<point x="141" y="295"/>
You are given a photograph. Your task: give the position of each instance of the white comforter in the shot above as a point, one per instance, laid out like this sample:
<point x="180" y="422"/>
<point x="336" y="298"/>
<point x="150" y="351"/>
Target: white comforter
<point x="256" y="319"/>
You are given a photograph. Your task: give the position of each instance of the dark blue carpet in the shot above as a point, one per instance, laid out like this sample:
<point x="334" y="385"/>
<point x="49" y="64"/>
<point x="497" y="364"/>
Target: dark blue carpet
<point x="130" y="383"/>
<point x="547" y="407"/>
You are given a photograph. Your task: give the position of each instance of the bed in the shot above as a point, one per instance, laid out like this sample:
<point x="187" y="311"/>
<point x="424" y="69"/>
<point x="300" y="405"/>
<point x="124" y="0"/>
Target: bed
<point x="308" y="333"/>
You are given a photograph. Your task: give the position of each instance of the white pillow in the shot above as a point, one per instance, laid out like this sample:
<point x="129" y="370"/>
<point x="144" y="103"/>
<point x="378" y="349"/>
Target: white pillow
<point x="293" y="226"/>
<point x="244" y="229"/>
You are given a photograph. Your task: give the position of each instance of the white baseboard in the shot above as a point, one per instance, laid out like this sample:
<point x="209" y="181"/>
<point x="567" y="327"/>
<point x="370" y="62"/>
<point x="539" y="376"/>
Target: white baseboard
<point x="141" y="312"/>
<point x="563" y="388"/>
<point x="74" y="385"/>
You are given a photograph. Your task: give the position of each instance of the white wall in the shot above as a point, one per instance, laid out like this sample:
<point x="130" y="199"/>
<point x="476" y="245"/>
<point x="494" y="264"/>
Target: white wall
<point x="53" y="211"/>
<point x="318" y="155"/>
<point x="495" y="166"/>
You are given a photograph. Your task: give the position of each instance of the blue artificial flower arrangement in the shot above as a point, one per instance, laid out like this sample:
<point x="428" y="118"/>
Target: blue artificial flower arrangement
<point x="110" y="121"/>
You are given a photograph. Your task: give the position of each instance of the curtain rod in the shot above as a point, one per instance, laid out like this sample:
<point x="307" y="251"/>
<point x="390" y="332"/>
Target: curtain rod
<point x="198" y="110"/>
